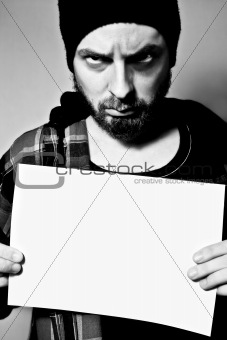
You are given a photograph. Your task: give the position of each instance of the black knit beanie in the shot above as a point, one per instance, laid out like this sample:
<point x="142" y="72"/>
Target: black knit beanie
<point x="78" y="18"/>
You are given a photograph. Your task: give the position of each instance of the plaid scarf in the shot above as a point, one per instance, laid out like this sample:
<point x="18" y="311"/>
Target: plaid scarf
<point x="48" y="146"/>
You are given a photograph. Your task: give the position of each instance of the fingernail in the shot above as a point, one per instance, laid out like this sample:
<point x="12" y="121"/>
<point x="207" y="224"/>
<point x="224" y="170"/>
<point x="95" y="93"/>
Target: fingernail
<point x="16" y="257"/>
<point x="16" y="267"/>
<point x="192" y="272"/>
<point x="198" y="257"/>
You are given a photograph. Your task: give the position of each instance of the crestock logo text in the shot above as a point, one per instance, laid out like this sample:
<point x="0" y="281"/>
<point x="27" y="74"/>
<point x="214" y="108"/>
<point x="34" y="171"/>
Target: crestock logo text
<point x="57" y="160"/>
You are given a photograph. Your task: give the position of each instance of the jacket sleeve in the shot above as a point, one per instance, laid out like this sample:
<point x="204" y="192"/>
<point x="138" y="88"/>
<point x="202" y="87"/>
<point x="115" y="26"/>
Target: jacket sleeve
<point x="24" y="150"/>
<point x="5" y="204"/>
<point x="5" y="218"/>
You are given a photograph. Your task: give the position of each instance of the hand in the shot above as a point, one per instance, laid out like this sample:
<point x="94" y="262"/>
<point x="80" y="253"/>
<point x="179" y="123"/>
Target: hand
<point x="10" y="263"/>
<point x="211" y="268"/>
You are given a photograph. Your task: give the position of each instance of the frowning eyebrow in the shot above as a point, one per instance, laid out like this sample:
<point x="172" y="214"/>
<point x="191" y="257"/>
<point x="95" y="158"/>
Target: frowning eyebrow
<point x="148" y="49"/>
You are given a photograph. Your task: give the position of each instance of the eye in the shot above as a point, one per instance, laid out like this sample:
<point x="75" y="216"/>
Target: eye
<point x="94" y="60"/>
<point x="142" y="59"/>
<point x="145" y="59"/>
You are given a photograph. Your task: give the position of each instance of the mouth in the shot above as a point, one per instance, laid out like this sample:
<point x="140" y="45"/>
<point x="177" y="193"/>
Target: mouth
<point x="120" y="113"/>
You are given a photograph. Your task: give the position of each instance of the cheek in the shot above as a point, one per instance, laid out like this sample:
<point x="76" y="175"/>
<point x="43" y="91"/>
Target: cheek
<point x="92" y="83"/>
<point x="144" y="87"/>
<point x="148" y="83"/>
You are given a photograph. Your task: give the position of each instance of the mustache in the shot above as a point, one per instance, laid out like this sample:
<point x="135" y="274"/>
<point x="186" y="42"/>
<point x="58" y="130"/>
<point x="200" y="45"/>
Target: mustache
<point x="116" y="104"/>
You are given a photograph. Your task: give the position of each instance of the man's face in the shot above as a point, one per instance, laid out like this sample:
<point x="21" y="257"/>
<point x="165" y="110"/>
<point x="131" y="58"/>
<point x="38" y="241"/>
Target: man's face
<point x="122" y="70"/>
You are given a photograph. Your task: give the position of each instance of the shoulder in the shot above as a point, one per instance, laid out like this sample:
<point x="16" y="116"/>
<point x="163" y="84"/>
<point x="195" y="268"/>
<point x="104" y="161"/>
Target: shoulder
<point x="194" y="113"/>
<point x="202" y="121"/>
<point x="208" y="131"/>
<point x="25" y="146"/>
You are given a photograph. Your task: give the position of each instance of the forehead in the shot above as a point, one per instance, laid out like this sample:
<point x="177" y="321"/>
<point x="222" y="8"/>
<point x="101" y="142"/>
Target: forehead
<point x="127" y="37"/>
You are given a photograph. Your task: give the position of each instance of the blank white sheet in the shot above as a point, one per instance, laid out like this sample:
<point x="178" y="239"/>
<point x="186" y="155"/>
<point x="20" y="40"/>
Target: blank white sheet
<point x="113" y="245"/>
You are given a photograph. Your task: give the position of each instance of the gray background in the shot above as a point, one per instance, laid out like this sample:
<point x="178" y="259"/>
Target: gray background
<point x="33" y="70"/>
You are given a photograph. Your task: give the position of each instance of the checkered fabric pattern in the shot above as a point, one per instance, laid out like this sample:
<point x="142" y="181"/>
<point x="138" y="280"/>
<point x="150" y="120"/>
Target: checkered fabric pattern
<point x="42" y="146"/>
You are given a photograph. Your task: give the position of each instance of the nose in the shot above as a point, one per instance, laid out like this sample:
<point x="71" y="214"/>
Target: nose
<point x="121" y="82"/>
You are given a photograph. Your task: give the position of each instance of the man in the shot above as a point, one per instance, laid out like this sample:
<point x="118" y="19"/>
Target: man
<point x="122" y="61"/>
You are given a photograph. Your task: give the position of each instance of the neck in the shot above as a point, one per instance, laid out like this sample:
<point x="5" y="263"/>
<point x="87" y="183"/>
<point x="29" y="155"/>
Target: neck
<point x="156" y="149"/>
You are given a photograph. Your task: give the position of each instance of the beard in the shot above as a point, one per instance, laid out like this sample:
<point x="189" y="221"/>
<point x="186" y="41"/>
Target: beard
<point x="129" y="128"/>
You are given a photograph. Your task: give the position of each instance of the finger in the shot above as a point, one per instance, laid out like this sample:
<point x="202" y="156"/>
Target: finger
<point x="9" y="267"/>
<point x="214" y="280"/>
<point x="3" y="281"/>
<point x="11" y="254"/>
<point x="210" y="252"/>
<point x="202" y="270"/>
<point x="222" y="290"/>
